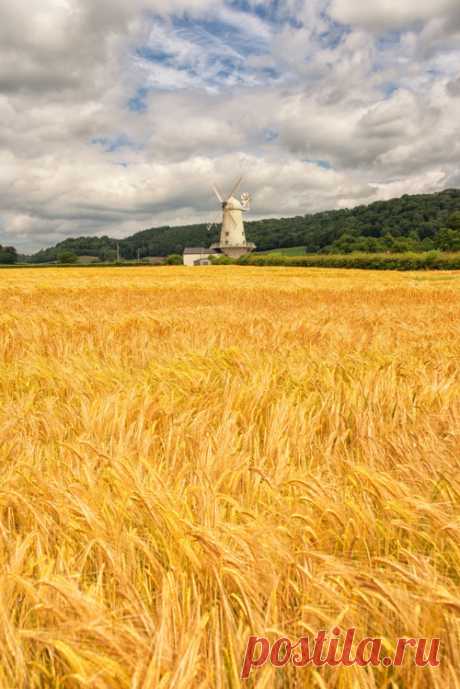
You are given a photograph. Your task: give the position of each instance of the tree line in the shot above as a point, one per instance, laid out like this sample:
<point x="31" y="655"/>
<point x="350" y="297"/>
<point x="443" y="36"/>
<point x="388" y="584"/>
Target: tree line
<point x="417" y="223"/>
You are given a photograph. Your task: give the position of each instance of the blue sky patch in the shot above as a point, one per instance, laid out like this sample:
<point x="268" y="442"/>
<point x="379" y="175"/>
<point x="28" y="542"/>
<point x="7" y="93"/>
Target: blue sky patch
<point x="389" y="88"/>
<point x="209" y="52"/>
<point x="111" y="144"/>
<point x="323" y="164"/>
<point x="270" y="135"/>
<point x="138" y="103"/>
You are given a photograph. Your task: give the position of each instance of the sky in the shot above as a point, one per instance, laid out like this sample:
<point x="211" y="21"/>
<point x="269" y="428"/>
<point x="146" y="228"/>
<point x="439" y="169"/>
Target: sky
<point x="117" y="116"/>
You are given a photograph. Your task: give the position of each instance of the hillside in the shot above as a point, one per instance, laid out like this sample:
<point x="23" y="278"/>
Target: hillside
<point x="416" y="223"/>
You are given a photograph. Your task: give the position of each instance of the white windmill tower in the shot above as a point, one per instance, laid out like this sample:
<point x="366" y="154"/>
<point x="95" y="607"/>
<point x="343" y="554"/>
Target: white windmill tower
<point x="233" y="241"/>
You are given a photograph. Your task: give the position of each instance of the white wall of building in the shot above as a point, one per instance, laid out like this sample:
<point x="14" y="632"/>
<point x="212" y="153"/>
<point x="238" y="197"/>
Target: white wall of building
<point x="189" y="259"/>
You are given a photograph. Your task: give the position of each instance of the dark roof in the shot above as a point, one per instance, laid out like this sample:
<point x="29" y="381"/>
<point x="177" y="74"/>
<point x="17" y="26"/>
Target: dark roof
<point x="199" y="250"/>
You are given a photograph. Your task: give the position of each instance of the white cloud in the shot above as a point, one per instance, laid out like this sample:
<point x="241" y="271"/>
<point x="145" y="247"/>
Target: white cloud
<point x="392" y="14"/>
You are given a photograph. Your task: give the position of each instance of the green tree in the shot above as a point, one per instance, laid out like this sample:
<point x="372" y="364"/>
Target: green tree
<point x="174" y="260"/>
<point x="343" y="245"/>
<point x="67" y="257"/>
<point x="109" y="255"/>
<point x="8" y="255"/>
<point x="454" y="220"/>
<point x="448" y="239"/>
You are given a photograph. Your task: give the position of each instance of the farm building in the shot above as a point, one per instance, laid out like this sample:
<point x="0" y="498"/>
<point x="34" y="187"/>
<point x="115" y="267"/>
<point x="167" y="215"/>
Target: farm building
<point x="198" y="256"/>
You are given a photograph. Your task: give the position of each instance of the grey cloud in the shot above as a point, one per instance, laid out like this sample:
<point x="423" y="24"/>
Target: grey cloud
<point x="453" y="88"/>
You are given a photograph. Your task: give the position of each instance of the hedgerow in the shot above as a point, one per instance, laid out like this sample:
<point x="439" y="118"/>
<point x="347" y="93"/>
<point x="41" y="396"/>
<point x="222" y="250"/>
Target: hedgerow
<point x="432" y="260"/>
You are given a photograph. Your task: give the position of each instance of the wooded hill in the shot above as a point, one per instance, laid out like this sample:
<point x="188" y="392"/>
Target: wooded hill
<point x="411" y="223"/>
<point x="8" y="254"/>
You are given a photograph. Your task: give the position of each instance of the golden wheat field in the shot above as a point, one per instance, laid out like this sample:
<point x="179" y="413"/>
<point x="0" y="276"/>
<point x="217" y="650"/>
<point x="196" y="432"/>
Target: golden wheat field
<point x="193" y="455"/>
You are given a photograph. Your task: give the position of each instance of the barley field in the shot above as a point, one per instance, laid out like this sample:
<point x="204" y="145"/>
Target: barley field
<point x="190" y="456"/>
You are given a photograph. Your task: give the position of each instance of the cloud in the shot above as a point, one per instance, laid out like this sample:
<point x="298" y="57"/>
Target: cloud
<point x="118" y="116"/>
<point x="453" y="88"/>
<point x="382" y="15"/>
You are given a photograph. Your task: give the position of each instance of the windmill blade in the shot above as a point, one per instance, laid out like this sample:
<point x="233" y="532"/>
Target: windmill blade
<point x="217" y="193"/>
<point x="235" y="188"/>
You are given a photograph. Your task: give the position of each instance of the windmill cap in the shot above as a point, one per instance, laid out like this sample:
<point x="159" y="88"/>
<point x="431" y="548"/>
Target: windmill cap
<point x="234" y="204"/>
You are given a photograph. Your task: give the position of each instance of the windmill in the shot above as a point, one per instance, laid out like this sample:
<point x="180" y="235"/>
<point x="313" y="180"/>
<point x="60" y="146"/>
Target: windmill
<point x="232" y="236"/>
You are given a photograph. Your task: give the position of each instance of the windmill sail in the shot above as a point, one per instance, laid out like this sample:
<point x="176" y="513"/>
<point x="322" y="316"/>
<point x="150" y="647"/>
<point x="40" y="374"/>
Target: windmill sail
<point x="217" y="193"/>
<point x="235" y="188"/>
